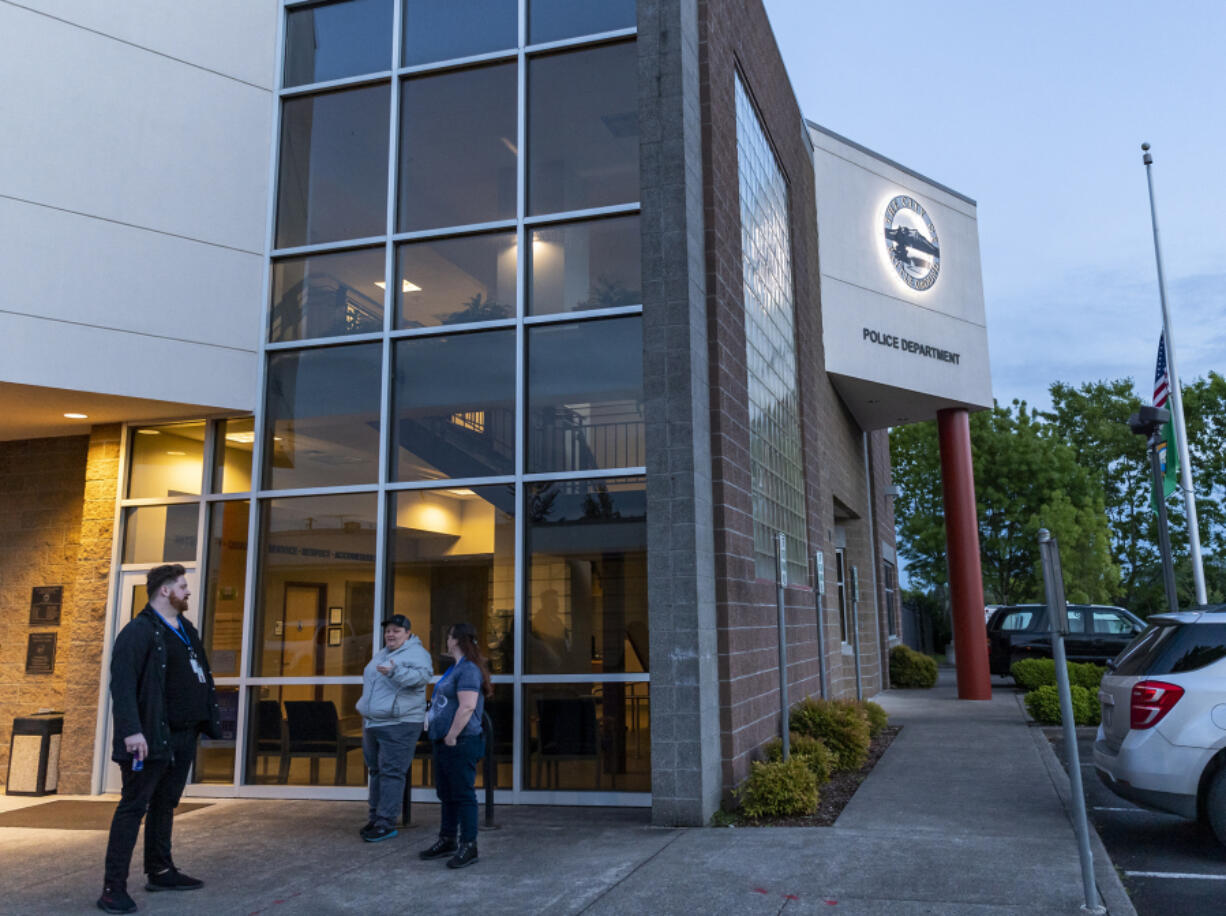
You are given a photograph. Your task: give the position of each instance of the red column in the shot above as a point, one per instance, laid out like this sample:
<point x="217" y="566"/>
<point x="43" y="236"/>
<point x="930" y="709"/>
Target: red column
<point x="962" y="540"/>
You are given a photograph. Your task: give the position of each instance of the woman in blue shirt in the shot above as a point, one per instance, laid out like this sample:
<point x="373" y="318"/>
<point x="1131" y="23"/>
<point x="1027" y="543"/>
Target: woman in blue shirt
<point x="454" y="720"/>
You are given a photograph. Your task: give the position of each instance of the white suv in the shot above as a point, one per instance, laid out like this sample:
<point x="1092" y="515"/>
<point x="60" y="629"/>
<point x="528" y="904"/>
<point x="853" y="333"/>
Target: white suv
<point x="1162" y="742"/>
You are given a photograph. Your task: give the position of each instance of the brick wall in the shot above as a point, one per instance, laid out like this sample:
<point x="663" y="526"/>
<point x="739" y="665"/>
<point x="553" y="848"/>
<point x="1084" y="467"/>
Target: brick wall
<point x="41" y="485"/>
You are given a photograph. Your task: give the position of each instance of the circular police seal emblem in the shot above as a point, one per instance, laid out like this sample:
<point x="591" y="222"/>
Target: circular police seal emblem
<point x="911" y="242"/>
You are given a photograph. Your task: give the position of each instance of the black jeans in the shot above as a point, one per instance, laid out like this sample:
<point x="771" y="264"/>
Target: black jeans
<point x="455" y="773"/>
<point x="156" y="789"/>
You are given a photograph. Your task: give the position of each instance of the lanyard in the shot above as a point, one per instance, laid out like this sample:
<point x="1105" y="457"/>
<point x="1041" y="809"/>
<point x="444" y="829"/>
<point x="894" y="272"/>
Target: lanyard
<point x="446" y="675"/>
<point x="178" y="631"/>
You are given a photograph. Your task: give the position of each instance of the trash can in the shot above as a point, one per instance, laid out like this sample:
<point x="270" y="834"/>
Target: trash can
<point x="34" y="754"/>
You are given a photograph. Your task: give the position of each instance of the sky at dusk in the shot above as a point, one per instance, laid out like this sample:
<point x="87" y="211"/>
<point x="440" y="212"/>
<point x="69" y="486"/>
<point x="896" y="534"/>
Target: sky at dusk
<point x="1038" y="111"/>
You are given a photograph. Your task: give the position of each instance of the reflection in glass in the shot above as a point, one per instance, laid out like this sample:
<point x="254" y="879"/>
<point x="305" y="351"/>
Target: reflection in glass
<point x="587" y="577"/>
<point x="456" y="281"/>
<point x="224" y="586"/>
<point x="304" y="735"/>
<point x="455" y="406"/>
<point x="551" y="20"/>
<point x="323" y="417"/>
<point x="316" y="553"/>
<point x="333" y="40"/>
<point x="585" y="395"/>
<point x="457" y="148"/>
<point x="587" y="737"/>
<point x="775" y="454"/>
<point x="444" y="30"/>
<point x="453" y="560"/>
<point x="583" y="129"/>
<point x="160" y="534"/>
<point x="502" y="718"/>
<point x="333" y="171"/>
<point x="215" y="756"/>
<point x="232" y="467"/>
<point x="327" y="295"/>
<point x="166" y="460"/>
<point x="590" y="265"/>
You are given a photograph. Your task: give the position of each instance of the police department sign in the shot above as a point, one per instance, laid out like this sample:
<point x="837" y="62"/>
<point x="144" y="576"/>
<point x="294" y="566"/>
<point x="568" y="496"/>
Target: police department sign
<point x="911" y="242"/>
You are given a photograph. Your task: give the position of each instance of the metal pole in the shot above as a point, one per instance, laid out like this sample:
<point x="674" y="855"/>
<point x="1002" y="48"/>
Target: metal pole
<point x="781" y="582"/>
<point x="1057" y="613"/>
<point x="855" y="628"/>
<point x="819" y="589"/>
<point x="1164" y="535"/>
<point x="1181" y="433"/>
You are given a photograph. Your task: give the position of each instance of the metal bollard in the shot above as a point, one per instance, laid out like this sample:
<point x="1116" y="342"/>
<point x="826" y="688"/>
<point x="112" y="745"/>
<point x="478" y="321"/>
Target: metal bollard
<point x="490" y="767"/>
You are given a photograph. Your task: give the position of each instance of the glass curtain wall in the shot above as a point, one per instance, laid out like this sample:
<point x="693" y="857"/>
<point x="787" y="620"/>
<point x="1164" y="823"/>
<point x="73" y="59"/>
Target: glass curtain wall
<point x="452" y="423"/>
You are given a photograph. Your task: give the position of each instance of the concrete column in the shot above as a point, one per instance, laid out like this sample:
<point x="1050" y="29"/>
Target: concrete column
<point x="685" y="733"/>
<point x="962" y="540"/>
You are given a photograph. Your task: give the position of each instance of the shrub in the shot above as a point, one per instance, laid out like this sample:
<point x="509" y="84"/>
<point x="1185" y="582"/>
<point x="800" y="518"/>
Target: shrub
<point x="783" y="788"/>
<point x="811" y="750"/>
<point x="909" y="668"/>
<point x="1032" y="673"/>
<point x="877" y="717"/>
<point x="1044" y="704"/>
<point x="840" y="725"/>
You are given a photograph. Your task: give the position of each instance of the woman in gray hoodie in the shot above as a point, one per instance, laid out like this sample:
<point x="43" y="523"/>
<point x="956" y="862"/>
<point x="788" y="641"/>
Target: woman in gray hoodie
<point x="393" y="706"/>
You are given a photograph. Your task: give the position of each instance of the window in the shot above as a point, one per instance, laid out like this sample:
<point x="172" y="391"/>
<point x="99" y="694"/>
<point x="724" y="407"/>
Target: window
<point x="840" y="579"/>
<point x="770" y="350"/>
<point x="333" y="40"/>
<point x="581" y="266"/>
<point x="444" y="29"/>
<point x="327" y="295"/>
<point x="549" y="20"/>
<point x="457" y="280"/>
<point x="891" y="598"/>
<point x="1111" y="623"/>
<point x="1016" y="620"/>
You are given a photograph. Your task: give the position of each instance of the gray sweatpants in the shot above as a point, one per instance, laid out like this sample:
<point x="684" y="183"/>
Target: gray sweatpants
<point x="388" y="750"/>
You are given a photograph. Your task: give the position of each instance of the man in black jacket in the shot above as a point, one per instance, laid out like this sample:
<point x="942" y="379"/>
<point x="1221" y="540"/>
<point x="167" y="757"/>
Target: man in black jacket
<point x="162" y="697"/>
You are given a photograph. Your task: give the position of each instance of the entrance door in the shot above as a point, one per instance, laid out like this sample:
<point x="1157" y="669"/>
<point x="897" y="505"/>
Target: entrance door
<point x="132" y="600"/>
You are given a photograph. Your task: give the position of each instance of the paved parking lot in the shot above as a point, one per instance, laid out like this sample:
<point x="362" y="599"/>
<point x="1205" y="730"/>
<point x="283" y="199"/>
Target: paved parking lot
<point x="1169" y="865"/>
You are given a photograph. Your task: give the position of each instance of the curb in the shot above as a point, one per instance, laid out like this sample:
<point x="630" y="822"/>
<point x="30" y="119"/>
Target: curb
<point x="1106" y="878"/>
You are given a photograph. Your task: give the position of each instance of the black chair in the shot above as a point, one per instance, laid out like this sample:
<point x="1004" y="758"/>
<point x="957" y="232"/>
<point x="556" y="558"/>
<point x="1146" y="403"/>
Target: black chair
<point x="270" y="737"/>
<point x="567" y="730"/>
<point x="314" y="731"/>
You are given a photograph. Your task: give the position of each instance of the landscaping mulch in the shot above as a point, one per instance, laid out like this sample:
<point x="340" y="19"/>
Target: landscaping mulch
<point x="834" y="795"/>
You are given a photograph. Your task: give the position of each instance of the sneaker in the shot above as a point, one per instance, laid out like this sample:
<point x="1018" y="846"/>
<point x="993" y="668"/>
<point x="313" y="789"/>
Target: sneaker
<point x="466" y="855"/>
<point x="378" y="834"/>
<point x="370" y="825"/>
<point x="115" y="899"/>
<point x="443" y="846"/>
<point x="173" y="880"/>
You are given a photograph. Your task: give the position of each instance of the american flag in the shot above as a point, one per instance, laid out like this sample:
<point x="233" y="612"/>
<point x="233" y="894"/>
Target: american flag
<point x="1162" y="379"/>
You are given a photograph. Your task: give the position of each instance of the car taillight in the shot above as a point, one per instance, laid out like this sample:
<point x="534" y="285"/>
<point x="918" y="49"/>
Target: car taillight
<point x="1151" y="700"/>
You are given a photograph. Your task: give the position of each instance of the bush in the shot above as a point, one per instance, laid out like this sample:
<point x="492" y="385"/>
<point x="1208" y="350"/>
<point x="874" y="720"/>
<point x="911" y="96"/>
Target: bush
<point x="877" y="717"/>
<point x="840" y="725"/>
<point x="783" y="788"/>
<point x="909" y="668"/>
<point x="1032" y="673"/>
<point x="1044" y="704"/>
<point x="811" y="750"/>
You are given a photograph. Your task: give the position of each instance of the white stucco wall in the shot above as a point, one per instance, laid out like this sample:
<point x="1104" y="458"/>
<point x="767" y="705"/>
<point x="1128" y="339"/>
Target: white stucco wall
<point x="134" y="194"/>
<point x="887" y="385"/>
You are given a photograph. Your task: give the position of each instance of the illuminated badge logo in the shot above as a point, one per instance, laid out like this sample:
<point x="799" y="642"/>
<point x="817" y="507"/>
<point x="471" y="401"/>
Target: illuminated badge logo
<point x="911" y="242"/>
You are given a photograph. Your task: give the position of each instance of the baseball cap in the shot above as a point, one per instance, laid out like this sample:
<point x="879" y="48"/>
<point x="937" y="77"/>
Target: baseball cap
<point x="398" y="620"/>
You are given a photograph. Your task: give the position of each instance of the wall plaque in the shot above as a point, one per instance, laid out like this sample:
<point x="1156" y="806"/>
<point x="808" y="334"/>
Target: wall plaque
<point x="45" y="605"/>
<point x="40" y="653"/>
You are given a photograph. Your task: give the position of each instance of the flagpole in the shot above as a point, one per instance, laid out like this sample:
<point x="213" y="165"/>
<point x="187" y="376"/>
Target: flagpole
<point x="1181" y="433"/>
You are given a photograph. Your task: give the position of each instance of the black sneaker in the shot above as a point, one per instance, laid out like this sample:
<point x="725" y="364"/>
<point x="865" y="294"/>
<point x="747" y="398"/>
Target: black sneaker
<point x="379" y="834"/>
<point x="173" y="880"/>
<point x="466" y="855"/>
<point x="370" y="825"/>
<point x="115" y="899"/>
<point x="443" y="846"/>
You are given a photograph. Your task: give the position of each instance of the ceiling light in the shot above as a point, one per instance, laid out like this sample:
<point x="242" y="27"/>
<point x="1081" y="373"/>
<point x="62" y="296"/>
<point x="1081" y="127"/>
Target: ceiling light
<point x="244" y="438"/>
<point x="77" y="416"/>
<point x="176" y="453"/>
<point x="148" y="432"/>
<point x="405" y="286"/>
<point x="462" y="491"/>
<point x="509" y="145"/>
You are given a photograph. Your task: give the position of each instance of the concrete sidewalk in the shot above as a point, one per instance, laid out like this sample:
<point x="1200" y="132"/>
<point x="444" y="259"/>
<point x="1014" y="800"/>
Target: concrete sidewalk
<point x="964" y="814"/>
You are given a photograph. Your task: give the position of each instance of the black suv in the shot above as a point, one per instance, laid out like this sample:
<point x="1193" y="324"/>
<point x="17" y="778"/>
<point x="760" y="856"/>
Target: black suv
<point x="1097" y="633"/>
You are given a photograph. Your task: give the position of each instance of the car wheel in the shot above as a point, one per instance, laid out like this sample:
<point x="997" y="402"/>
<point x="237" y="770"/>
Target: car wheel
<point x="1215" y="805"/>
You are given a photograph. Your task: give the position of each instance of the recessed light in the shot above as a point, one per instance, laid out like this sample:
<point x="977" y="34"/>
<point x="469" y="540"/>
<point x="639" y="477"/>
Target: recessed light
<point x="176" y="453"/>
<point x="77" y="416"/>
<point x="148" y="432"/>
<point x="405" y="286"/>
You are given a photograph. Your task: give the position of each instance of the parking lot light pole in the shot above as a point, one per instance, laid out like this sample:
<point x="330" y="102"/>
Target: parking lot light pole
<point x="1057" y="613"/>
<point x="1148" y="422"/>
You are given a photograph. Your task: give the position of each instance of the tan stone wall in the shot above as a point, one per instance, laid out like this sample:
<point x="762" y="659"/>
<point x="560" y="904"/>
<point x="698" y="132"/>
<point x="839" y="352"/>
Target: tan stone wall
<point x="41" y="485"/>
